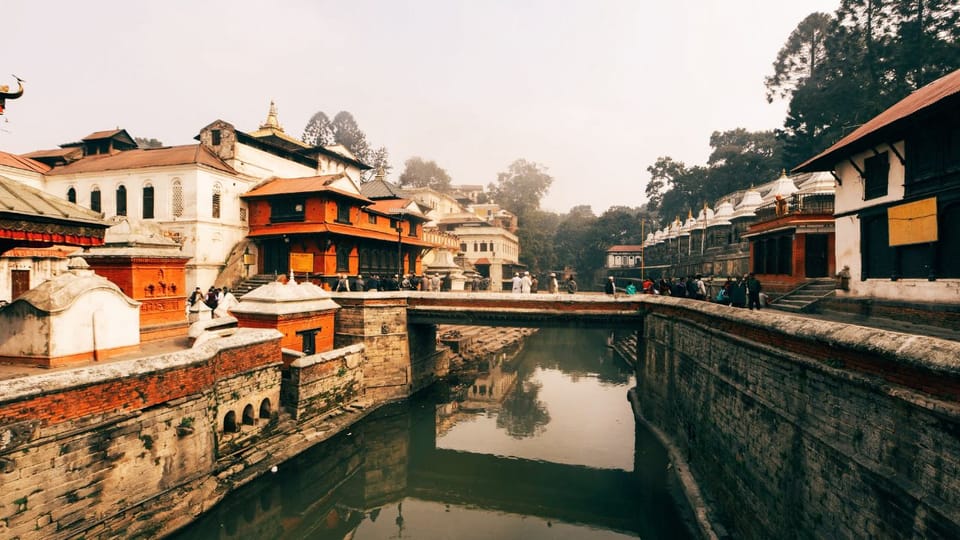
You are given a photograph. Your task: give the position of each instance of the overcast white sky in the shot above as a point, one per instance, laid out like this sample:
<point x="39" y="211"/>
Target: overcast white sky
<point x="595" y="90"/>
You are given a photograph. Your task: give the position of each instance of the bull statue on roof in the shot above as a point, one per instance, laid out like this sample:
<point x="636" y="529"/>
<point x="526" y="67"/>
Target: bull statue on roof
<point x="6" y="94"/>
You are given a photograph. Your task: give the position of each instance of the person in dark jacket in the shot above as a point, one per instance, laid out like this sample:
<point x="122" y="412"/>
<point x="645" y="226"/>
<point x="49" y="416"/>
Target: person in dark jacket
<point x="753" y="291"/>
<point x="738" y="293"/>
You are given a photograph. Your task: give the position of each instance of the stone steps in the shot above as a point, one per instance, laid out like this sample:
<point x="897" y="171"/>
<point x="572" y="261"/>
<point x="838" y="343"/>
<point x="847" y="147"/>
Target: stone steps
<point x="804" y="297"/>
<point x="252" y="283"/>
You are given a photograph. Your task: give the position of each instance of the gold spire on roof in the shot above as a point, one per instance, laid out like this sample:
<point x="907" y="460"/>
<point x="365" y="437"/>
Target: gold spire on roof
<point x="381" y="174"/>
<point x="272" y="122"/>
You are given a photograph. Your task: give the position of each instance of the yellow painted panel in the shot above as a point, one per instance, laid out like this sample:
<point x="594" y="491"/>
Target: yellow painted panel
<point x="301" y="262"/>
<point x="913" y="223"/>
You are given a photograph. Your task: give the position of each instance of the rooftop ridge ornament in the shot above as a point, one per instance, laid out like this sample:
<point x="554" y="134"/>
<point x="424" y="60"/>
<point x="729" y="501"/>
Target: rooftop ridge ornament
<point x="272" y="122"/>
<point x="6" y="94"/>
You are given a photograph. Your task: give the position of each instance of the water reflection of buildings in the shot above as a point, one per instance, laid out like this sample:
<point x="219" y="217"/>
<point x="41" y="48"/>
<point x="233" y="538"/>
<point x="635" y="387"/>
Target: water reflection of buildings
<point x="363" y="478"/>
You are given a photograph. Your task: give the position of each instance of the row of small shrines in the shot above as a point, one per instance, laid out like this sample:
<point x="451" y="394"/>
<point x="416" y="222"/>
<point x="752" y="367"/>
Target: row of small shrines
<point x="881" y="205"/>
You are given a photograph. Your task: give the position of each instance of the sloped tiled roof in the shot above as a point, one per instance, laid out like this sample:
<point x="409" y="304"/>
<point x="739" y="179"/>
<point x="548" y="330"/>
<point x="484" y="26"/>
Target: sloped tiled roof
<point x="146" y="157"/>
<point x="378" y="188"/>
<point x="97" y="135"/>
<point x="20" y="162"/>
<point x="53" y="152"/>
<point x="307" y="184"/>
<point x="20" y="199"/>
<point x="887" y="122"/>
<point x="393" y="207"/>
<point x="624" y="248"/>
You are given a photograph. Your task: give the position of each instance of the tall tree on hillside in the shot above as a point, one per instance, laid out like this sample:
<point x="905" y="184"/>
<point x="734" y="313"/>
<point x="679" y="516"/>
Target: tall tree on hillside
<point x="572" y="240"/>
<point x="535" y="232"/>
<point x="875" y="53"/>
<point x="347" y="132"/>
<point x="663" y="172"/>
<point x="319" y="131"/>
<point x="520" y="188"/>
<point x="800" y="57"/>
<point x="343" y="129"/>
<point x="418" y="172"/>
<point x="741" y="157"/>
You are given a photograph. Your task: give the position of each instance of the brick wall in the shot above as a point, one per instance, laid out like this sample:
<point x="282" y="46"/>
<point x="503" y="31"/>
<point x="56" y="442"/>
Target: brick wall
<point x="80" y="450"/>
<point x="800" y="427"/>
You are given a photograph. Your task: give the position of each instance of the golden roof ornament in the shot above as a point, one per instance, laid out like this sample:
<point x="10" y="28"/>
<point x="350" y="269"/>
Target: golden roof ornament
<point x="6" y="94"/>
<point x="272" y="122"/>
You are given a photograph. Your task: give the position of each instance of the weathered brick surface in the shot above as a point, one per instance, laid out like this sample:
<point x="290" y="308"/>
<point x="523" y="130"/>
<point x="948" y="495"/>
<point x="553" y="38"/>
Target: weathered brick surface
<point x="103" y="440"/>
<point x="795" y="430"/>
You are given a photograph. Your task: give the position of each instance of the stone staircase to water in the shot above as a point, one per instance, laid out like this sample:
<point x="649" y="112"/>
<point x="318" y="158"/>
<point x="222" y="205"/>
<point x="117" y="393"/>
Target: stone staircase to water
<point x="802" y="299"/>
<point x="252" y="283"/>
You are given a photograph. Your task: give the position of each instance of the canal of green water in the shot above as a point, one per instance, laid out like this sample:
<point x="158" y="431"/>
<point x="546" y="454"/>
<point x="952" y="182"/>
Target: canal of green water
<point x="542" y="445"/>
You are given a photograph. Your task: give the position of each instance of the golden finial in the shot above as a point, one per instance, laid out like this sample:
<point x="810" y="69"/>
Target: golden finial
<point x="272" y="122"/>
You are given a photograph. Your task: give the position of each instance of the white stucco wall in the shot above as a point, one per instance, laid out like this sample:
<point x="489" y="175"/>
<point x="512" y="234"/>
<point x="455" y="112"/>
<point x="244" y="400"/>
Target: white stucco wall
<point x="30" y="178"/>
<point x="257" y="163"/>
<point x="849" y="198"/>
<point x="99" y="319"/>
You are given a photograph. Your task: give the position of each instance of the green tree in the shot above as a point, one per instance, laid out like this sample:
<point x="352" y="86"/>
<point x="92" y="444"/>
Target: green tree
<point x="875" y="52"/>
<point x="536" y="231"/>
<point x="798" y="60"/>
<point x="663" y="172"/>
<point x="520" y="188"/>
<point x="418" y="172"/>
<point x="347" y="132"/>
<point x="319" y="131"/>
<point x="573" y="236"/>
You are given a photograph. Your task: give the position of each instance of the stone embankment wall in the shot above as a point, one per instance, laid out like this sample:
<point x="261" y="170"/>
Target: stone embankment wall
<point x="84" y="451"/>
<point x="379" y="321"/>
<point x="141" y="447"/>
<point x="794" y="427"/>
<point x="320" y="382"/>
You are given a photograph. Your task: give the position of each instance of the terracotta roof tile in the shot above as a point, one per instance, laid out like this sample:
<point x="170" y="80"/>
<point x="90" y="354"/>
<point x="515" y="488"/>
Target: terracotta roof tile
<point x="931" y="94"/>
<point x="624" y="248"/>
<point x="307" y="184"/>
<point x="146" y="157"/>
<point x="20" y="162"/>
<point x="101" y="135"/>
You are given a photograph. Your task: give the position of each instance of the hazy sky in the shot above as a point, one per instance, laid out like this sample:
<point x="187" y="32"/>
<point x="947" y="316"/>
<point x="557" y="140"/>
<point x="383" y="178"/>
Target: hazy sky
<point x="595" y="90"/>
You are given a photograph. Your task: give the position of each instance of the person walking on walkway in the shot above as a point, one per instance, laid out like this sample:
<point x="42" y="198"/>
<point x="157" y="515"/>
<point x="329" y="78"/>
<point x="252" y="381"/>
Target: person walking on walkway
<point x="571" y="285"/>
<point x="553" y="286"/>
<point x="517" y="283"/>
<point x="525" y="283"/>
<point x="610" y="287"/>
<point x="738" y="293"/>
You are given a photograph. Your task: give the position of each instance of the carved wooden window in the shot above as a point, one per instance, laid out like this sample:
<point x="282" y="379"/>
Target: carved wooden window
<point x="217" y="189"/>
<point x="177" y="198"/>
<point x="148" y="202"/>
<point x="121" y="200"/>
<point x="72" y="195"/>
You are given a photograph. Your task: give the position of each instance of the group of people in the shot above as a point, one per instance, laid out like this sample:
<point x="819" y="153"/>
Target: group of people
<point x="526" y="284"/>
<point x="409" y="282"/>
<point x="219" y="300"/>
<point x="744" y="291"/>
